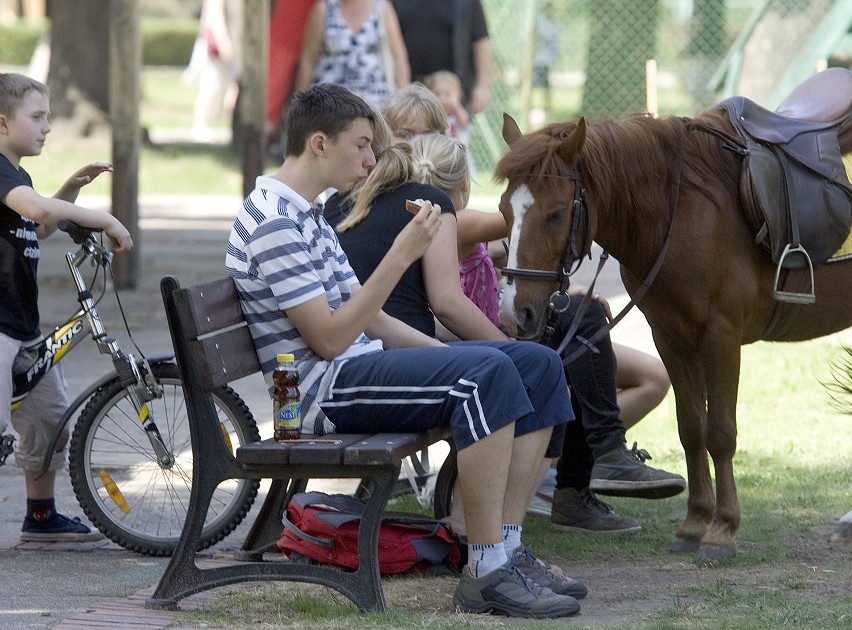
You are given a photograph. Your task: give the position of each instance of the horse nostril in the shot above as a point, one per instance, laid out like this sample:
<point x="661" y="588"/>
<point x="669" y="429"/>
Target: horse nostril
<point x="526" y="319"/>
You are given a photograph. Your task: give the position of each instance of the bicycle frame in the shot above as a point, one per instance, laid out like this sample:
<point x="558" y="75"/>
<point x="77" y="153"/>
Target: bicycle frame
<point x="46" y="354"/>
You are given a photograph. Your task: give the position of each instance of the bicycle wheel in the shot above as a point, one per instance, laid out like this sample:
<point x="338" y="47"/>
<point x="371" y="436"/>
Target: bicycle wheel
<point x="121" y="487"/>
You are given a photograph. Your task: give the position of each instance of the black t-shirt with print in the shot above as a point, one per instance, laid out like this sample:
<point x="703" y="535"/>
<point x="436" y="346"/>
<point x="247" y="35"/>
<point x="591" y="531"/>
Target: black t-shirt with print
<point x="19" y="253"/>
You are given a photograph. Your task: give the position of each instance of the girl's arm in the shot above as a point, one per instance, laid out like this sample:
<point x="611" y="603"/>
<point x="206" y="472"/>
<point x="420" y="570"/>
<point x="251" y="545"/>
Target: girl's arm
<point x="311" y="47"/>
<point x="443" y="288"/>
<point x="401" y="67"/>
<point x="476" y="226"/>
<point x="395" y="333"/>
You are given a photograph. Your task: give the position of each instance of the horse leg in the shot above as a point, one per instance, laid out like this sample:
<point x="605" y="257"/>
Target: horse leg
<point x="722" y="367"/>
<point x="690" y="401"/>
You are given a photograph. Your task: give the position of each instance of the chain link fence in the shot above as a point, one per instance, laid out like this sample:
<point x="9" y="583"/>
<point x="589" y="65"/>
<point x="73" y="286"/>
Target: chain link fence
<point x="559" y="59"/>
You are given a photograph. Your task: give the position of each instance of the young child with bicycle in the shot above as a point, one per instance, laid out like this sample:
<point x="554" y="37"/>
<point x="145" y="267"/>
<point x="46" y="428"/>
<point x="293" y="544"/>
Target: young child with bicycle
<point x="25" y="217"/>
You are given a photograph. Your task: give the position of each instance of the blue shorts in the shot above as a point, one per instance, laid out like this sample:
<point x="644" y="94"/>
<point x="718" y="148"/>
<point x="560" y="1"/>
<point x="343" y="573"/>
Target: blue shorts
<point x="473" y="387"/>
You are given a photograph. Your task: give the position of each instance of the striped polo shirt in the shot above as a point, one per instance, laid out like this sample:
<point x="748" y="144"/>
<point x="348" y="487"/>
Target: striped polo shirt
<point x="282" y="253"/>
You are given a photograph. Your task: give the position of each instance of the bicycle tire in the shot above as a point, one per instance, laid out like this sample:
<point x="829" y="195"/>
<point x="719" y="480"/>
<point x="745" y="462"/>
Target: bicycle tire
<point x="108" y="437"/>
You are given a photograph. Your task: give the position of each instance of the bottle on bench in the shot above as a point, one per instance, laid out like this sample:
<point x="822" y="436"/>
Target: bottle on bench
<point x="286" y="400"/>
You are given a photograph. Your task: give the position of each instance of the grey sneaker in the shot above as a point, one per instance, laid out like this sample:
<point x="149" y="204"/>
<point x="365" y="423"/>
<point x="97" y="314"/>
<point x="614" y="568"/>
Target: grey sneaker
<point x="509" y="592"/>
<point x="623" y="473"/>
<point x="542" y="501"/>
<point x="543" y="574"/>
<point x="582" y="511"/>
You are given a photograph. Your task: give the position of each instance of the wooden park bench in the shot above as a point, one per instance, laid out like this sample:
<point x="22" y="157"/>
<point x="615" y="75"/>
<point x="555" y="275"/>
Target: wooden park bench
<point x="213" y="348"/>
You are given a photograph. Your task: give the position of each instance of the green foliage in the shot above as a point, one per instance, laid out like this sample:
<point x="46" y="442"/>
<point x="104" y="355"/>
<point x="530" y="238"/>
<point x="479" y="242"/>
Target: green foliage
<point x="165" y="42"/>
<point x="18" y="42"/>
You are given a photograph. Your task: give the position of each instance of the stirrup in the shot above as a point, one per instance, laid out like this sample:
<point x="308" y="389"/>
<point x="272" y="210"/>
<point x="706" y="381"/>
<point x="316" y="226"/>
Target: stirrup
<point x="790" y="296"/>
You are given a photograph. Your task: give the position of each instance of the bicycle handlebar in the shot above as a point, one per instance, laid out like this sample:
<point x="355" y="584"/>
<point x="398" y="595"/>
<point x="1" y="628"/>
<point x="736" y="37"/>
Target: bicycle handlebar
<point x="89" y="245"/>
<point x="77" y="232"/>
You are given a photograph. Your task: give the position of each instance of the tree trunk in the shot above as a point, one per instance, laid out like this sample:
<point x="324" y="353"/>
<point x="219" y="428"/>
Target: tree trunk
<point x="79" y="63"/>
<point x="621" y="38"/>
<point x="707" y="46"/>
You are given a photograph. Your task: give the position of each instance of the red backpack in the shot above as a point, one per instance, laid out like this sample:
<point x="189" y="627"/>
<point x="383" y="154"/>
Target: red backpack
<point x="324" y="528"/>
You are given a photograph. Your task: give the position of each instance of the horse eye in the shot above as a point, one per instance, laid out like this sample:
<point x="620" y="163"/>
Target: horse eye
<point x="556" y="214"/>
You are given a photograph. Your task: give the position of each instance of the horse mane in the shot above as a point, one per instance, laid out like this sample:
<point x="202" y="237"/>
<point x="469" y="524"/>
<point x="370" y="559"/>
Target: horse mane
<point x="630" y="152"/>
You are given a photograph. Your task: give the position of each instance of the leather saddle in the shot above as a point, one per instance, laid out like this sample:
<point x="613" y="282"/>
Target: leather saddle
<point x="793" y="181"/>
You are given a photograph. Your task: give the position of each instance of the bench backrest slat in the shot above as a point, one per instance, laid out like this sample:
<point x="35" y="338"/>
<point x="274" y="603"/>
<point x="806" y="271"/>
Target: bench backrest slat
<point x="221" y="345"/>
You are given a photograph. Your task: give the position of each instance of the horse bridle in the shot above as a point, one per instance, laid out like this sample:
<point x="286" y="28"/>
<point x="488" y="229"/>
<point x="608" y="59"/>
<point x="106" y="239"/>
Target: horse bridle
<point x="571" y="259"/>
<point x="559" y="300"/>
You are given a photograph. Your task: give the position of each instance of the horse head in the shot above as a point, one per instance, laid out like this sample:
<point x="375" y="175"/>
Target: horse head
<point x="542" y="206"/>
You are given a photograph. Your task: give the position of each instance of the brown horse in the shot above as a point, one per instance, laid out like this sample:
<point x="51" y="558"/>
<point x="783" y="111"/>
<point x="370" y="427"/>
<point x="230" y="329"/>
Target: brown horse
<point x="662" y="194"/>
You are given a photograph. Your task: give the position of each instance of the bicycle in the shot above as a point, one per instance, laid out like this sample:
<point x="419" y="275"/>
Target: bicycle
<point x="130" y="458"/>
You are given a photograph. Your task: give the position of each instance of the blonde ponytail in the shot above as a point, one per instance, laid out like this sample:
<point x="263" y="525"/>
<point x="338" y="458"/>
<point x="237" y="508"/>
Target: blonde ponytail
<point x="439" y="161"/>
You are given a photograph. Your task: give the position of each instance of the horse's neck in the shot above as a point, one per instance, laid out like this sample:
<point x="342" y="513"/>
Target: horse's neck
<point x="633" y="196"/>
<point x="634" y="236"/>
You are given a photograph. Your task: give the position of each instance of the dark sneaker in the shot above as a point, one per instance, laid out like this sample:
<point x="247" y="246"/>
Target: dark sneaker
<point x="582" y="511"/>
<point x="509" y="592"/>
<point x="57" y="528"/>
<point x="623" y="473"/>
<point x="544" y="574"/>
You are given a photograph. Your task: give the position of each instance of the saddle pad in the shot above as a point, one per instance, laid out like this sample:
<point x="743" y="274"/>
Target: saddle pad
<point x="845" y="250"/>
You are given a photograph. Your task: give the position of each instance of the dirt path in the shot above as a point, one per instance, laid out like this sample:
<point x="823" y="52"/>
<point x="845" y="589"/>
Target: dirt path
<point x="624" y="593"/>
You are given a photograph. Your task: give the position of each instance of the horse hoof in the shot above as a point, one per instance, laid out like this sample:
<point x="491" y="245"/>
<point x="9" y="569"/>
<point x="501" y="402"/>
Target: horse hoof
<point x="715" y="553"/>
<point x="842" y="533"/>
<point x="684" y="545"/>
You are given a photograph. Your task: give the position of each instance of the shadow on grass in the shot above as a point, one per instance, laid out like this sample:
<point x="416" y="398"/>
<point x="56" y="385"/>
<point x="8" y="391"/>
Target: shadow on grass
<point x="781" y="505"/>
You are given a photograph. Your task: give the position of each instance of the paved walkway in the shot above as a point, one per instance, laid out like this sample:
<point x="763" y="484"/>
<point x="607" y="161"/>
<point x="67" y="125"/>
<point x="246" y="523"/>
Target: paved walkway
<point x="100" y="585"/>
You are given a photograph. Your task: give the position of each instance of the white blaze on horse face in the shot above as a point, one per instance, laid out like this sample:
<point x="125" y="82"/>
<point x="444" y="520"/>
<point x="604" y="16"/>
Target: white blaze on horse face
<point x="521" y="199"/>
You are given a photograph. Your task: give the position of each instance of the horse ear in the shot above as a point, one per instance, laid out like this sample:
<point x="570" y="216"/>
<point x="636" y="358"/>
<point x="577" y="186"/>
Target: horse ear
<point x="511" y="131"/>
<point x="572" y="146"/>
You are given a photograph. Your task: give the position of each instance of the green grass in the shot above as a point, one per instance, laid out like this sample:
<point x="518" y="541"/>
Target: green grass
<point x="175" y="168"/>
<point x="794" y="482"/>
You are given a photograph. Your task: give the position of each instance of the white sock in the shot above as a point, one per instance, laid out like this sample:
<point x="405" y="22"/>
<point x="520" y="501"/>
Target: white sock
<point x="483" y="559"/>
<point x="511" y="538"/>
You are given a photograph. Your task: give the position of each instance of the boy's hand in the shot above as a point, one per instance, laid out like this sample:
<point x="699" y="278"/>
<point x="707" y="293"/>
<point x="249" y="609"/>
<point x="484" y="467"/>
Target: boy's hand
<point x="89" y="172"/>
<point x="415" y="239"/>
<point x="119" y="236"/>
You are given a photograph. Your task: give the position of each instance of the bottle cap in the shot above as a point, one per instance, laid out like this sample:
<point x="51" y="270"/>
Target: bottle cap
<point x="286" y="358"/>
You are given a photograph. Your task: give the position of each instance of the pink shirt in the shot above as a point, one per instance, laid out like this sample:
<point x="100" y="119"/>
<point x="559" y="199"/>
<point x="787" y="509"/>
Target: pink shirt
<point x="479" y="282"/>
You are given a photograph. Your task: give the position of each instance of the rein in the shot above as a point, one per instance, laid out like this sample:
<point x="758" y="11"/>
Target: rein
<point x="559" y="300"/>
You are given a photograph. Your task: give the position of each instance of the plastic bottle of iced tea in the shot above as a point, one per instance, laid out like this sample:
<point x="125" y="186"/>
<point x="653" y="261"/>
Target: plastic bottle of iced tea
<point x="286" y="400"/>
